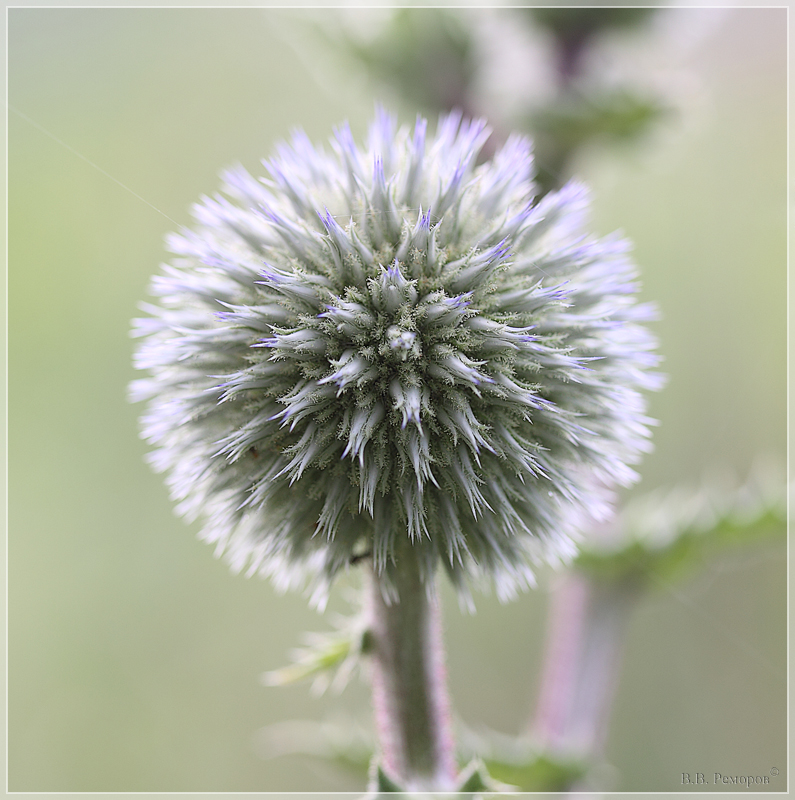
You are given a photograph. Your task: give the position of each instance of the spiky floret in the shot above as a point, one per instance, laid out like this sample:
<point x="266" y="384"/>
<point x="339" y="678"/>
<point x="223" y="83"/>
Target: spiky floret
<point x="394" y="343"/>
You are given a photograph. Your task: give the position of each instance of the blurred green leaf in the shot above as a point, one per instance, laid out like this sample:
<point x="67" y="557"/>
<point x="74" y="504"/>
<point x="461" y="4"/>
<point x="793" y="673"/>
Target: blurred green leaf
<point x="516" y="763"/>
<point x="665" y="534"/>
<point x="569" y="21"/>
<point x="544" y="773"/>
<point x="475" y="781"/>
<point x="575" y="119"/>
<point x="325" y="654"/>
<point x="342" y="742"/>
<point x="329" y="658"/>
<point x="381" y="782"/>
<point x="473" y="778"/>
<point x="425" y="54"/>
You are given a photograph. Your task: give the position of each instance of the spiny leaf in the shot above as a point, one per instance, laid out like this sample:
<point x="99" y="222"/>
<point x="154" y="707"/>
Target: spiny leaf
<point x="380" y="782"/>
<point x="515" y="763"/>
<point x="338" y="650"/>
<point x="342" y="742"/>
<point x="663" y="534"/>
<point x="544" y="773"/>
<point x="618" y="115"/>
<point x="475" y="781"/>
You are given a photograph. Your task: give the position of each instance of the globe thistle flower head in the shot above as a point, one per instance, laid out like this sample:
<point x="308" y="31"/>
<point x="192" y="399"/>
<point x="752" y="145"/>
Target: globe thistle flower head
<point x="392" y="350"/>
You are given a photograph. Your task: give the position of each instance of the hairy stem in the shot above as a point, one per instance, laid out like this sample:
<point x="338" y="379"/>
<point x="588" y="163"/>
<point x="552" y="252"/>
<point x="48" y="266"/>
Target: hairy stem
<point x="412" y="708"/>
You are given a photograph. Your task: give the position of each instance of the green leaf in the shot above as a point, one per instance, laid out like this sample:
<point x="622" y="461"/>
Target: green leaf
<point x="475" y="781"/>
<point x="324" y="655"/>
<point x="665" y="534"/>
<point x="544" y="773"/>
<point x="342" y="742"/>
<point x="515" y="763"/>
<point x="329" y="658"/>
<point x="427" y="55"/>
<point x="380" y="782"/>
<point x="576" y="118"/>
<point x="473" y="777"/>
<point x="567" y="22"/>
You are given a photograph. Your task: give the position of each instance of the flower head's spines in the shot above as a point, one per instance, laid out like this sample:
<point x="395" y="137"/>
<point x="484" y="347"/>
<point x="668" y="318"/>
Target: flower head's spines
<point x="389" y="342"/>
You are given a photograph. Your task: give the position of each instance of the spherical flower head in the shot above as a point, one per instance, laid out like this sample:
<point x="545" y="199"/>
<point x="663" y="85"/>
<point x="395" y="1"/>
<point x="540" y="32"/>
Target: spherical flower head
<point x="394" y="351"/>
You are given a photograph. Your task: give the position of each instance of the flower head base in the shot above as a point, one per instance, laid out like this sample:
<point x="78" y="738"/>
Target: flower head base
<point x="390" y="345"/>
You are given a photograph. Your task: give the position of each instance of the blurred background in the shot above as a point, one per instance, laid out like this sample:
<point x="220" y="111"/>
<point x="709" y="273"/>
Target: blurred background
<point x="134" y="657"/>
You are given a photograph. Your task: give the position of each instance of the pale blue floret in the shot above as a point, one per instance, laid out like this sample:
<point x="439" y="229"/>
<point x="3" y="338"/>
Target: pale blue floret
<point x="393" y="341"/>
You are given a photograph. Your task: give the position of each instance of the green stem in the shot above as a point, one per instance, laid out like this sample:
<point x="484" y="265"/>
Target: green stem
<point x="412" y="708"/>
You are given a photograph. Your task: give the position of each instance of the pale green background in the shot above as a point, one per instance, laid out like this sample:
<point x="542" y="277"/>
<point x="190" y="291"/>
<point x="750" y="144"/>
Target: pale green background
<point x="134" y="656"/>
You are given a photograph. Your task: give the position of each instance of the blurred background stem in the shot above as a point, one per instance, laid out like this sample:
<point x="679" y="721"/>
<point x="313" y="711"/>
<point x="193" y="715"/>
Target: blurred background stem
<point x="587" y="625"/>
